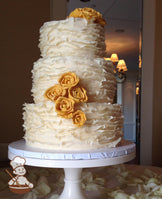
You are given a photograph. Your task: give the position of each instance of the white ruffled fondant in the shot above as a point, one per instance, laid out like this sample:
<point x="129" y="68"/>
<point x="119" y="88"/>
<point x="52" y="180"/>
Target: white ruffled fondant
<point x="96" y="76"/>
<point x="73" y="45"/>
<point x="72" y="36"/>
<point x="43" y="127"/>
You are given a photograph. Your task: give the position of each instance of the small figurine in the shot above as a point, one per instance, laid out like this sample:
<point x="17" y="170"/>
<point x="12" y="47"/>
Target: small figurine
<point x="19" y="183"/>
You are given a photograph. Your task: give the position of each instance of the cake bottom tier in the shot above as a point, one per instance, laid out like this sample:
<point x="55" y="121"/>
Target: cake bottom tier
<point x="45" y="129"/>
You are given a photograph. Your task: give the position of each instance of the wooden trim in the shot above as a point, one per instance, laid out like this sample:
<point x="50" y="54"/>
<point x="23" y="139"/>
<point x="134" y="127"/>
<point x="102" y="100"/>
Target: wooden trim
<point x="157" y="107"/>
<point x="148" y="46"/>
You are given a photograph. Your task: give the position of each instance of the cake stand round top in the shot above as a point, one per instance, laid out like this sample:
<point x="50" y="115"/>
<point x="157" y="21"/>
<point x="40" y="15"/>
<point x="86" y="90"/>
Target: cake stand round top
<point x="72" y="159"/>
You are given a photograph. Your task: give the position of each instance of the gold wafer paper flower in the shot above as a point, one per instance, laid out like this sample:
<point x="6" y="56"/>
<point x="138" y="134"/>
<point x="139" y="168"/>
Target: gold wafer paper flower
<point x="54" y="92"/>
<point x="65" y="94"/>
<point x="79" y="118"/>
<point x="64" y="107"/>
<point x="88" y="13"/>
<point x="68" y="80"/>
<point x="78" y="94"/>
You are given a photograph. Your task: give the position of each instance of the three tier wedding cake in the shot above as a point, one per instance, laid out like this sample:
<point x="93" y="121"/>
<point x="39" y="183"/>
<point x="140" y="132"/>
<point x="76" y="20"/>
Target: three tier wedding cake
<point x="73" y="87"/>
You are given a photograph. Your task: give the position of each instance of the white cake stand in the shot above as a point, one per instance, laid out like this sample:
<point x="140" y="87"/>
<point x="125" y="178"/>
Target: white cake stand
<point x="72" y="162"/>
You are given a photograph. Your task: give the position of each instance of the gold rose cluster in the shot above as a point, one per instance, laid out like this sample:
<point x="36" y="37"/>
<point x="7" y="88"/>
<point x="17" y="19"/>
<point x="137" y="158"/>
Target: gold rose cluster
<point x="65" y="95"/>
<point x="88" y="13"/>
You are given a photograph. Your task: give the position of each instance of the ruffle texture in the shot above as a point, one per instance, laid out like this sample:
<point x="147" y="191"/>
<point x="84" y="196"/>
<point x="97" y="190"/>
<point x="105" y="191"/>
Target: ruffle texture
<point x="72" y="37"/>
<point x="44" y="128"/>
<point x="73" y="45"/>
<point x="96" y="75"/>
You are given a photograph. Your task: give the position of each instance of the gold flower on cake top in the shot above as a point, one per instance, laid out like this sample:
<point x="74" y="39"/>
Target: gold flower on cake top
<point x="64" y="107"/>
<point x="68" y="80"/>
<point x="78" y="94"/>
<point x="88" y="13"/>
<point x="54" y="92"/>
<point x="79" y="118"/>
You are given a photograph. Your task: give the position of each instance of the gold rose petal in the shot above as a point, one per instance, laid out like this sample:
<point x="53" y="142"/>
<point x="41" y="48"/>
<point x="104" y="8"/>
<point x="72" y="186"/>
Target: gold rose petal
<point x="79" y="118"/>
<point x="78" y="94"/>
<point x="68" y="80"/>
<point x="88" y="13"/>
<point x="64" y="107"/>
<point x="100" y="21"/>
<point x="54" y="92"/>
<point x="69" y="116"/>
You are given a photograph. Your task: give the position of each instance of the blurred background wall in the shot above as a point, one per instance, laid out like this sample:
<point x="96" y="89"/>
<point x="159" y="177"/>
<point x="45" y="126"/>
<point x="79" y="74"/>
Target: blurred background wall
<point x="20" y="22"/>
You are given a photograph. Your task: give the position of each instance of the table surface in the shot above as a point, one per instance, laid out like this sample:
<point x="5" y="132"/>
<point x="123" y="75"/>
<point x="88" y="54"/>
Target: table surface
<point x="72" y="159"/>
<point x="97" y="182"/>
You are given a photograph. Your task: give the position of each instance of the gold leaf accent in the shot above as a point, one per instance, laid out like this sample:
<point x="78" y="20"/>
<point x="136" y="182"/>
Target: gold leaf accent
<point x="54" y="92"/>
<point x="78" y="94"/>
<point x="88" y="13"/>
<point x="79" y="118"/>
<point x="64" y="107"/>
<point x="68" y="80"/>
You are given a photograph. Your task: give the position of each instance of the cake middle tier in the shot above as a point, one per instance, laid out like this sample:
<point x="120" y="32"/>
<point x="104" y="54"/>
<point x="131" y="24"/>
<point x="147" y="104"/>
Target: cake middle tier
<point x="96" y="76"/>
<point x="45" y="129"/>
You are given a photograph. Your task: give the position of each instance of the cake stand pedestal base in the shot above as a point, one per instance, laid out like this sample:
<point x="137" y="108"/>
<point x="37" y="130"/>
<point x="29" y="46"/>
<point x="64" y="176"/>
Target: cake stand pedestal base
<point x="72" y="162"/>
<point x="72" y="187"/>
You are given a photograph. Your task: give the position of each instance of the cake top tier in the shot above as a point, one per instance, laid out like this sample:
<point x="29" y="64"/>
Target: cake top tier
<point x="74" y="36"/>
